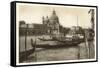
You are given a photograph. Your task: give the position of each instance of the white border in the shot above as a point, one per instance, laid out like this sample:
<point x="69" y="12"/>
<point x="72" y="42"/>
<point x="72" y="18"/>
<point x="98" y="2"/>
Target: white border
<point x="17" y="35"/>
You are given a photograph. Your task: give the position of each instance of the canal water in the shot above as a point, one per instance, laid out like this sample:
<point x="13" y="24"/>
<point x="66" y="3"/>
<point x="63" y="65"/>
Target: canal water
<point x="74" y="52"/>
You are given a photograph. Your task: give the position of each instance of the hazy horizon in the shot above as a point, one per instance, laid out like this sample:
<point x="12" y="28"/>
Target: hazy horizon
<point x="68" y="17"/>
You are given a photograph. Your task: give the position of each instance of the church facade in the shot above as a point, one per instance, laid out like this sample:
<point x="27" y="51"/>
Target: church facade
<point x="52" y="23"/>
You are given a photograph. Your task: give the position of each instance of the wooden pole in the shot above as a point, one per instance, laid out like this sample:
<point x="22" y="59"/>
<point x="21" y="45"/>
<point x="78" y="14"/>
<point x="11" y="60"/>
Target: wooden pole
<point x="87" y="44"/>
<point x="78" y="52"/>
<point x="26" y="42"/>
<point x="35" y="51"/>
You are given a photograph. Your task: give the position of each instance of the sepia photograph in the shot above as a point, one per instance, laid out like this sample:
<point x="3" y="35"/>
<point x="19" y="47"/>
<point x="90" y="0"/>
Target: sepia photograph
<point x="54" y="33"/>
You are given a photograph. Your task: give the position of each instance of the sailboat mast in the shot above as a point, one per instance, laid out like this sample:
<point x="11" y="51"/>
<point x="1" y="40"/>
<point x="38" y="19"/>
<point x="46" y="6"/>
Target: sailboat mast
<point x="77" y="21"/>
<point x="77" y="24"/>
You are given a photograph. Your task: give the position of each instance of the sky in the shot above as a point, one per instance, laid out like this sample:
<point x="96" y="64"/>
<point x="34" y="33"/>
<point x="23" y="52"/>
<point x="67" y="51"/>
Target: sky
<point x="68" y="16"/>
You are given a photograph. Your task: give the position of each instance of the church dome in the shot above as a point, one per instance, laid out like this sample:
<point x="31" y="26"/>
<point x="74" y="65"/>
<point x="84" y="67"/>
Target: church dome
<point x="54" y="16"/>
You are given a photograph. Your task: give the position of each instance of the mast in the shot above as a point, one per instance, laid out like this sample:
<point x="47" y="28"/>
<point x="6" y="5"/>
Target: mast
<point x="76" y="25"/>
<point x="77" y="20"/>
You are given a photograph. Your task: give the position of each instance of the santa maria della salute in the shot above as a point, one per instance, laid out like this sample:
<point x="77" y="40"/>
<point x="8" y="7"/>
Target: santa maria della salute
<point x="50" y="26"/>
<point x="52" y="23"/>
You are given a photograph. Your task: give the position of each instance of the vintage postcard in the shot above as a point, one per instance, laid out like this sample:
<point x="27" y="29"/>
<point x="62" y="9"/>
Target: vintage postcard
<point x="55" y="33"/>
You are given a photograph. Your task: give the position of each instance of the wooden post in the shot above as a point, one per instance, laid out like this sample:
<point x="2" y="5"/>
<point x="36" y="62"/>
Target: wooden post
<point x="34" y="48"/>
<point x="78" y="55"/>
<point x="26" y="42"/>
<point x="87" y="43"/>
<point x="35" y="51"/>
<point x="89" y="46"/>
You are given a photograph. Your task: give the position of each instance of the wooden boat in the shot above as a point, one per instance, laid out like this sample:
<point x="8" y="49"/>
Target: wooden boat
<point x="43" y="39"/>
<point x="55" y="42"/>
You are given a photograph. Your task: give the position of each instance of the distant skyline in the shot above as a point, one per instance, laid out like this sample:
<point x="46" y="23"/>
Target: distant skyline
<point x="68" y="16"/>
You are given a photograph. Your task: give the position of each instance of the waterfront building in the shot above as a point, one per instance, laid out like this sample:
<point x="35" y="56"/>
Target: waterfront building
<point x="50" y="26"/>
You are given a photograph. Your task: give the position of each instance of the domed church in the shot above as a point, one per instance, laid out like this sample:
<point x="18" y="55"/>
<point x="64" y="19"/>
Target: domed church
<point x="50" y="26"/>
<point x="52" y="23"/>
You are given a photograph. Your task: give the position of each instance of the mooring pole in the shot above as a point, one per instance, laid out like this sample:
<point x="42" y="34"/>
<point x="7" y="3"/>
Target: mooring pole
<point x="26" y="42"/>
<point x="78" y="55"/>
<point x="87" y="43"/>
<point x="35" y="51"/>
